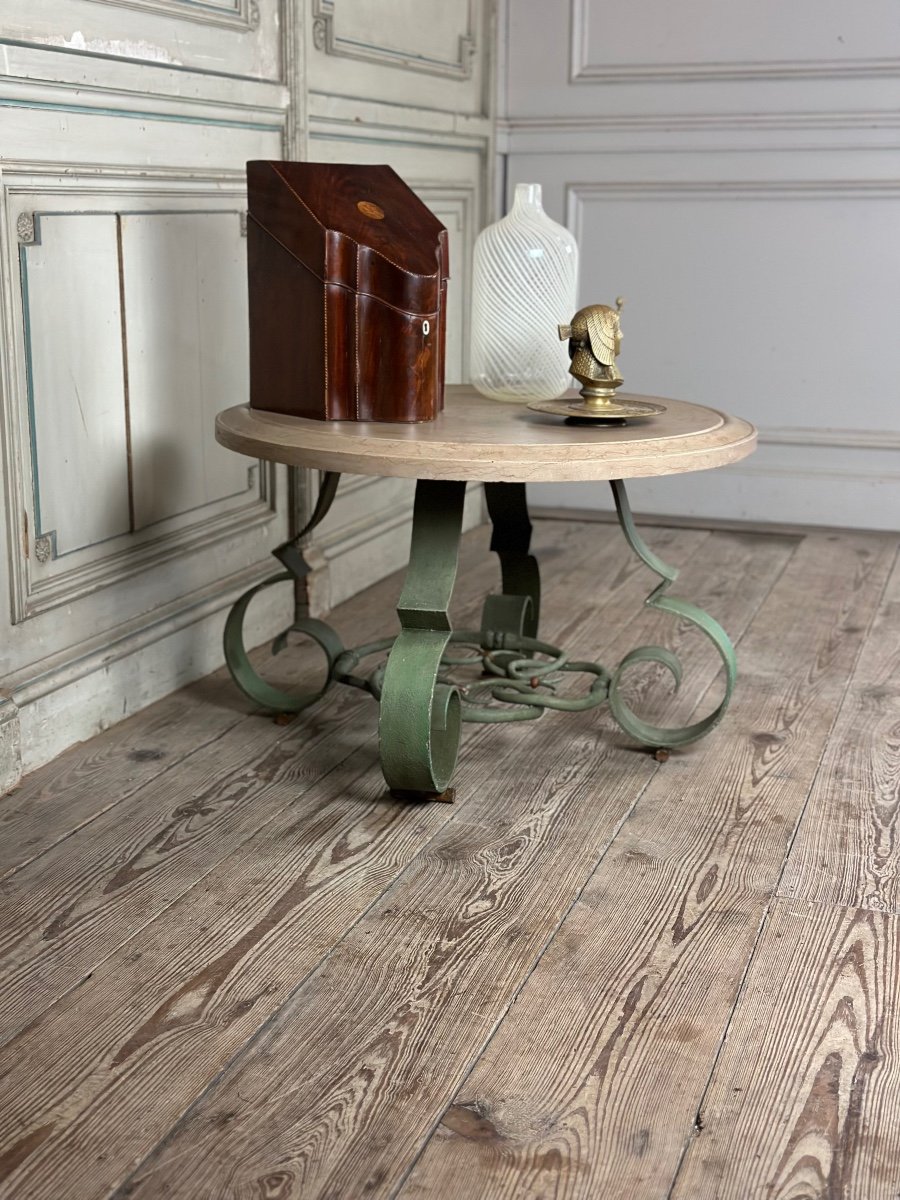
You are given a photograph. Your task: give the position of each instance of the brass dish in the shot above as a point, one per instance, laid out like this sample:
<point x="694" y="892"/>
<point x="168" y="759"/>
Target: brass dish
<point x="598" y="408"/>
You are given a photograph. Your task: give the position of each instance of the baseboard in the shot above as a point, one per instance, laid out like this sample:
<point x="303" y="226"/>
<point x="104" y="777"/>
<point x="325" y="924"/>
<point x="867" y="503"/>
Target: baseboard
<point x="10" y="747"/>
<point x="73" y="697"/>
<point x="796" y="480"/>
<point x="667" y="521"/>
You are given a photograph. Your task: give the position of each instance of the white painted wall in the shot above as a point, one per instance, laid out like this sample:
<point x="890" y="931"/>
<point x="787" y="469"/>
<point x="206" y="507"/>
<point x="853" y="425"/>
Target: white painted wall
<point x="125" y="126"/>
<point x="733" y="171"/>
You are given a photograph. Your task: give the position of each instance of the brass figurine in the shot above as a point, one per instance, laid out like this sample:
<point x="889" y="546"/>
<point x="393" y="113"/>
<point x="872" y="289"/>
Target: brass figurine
<point x="595" y="339"/>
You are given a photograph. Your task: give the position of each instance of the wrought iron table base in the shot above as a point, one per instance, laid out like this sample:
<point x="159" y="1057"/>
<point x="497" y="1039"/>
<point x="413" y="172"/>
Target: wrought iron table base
<point x="422" y="706"/>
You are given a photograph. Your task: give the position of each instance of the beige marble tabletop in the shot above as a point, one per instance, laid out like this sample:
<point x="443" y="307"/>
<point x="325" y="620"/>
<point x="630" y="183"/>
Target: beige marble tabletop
<point x="494" y="441"/>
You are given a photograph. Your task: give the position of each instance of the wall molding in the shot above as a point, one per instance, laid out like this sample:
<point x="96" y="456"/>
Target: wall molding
<point x="60" y="670"/>
<point x="577" y="194"/>
<point x="94" y="568"/>
<point x="358" y="532"/>
<point x="59" y="700"/>
<point x="328" y="41"/>
<point x="808" y="444"/>
<point x="582" y="71"/>
<point x="233" y="14"/>
<point x="662" y="122"/>
<point x="863" y="68"/>
<point x="836" y="439"/>
<point x="48" y="76"/>
<point x="636" y="134"/>
<point x="151" y="553"/>
<point x="323" y="131"/>
<point x="153" y="109"/>
<point x="858" y="491"/>
<point x="326" y="109"/>
<point x="59" y="177"/>
<point x="837" y="474"/>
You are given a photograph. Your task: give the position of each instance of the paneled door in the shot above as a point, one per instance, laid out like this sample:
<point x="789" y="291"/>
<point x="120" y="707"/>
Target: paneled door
<point x="125" y="129"/>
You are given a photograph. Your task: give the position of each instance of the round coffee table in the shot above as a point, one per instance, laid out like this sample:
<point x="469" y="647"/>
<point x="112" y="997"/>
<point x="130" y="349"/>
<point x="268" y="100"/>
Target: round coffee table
<point x="504" y="446"/>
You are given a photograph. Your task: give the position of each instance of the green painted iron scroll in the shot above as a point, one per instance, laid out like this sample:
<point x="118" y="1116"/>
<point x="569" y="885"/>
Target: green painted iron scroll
<point x="242" y="671"/>
<point x="423" y="702"/>
<point x="654" y="735"/>
<point x="420" y="721"/>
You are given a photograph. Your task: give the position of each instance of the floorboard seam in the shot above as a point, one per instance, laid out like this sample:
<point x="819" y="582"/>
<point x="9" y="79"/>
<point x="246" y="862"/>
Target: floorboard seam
<point x="120" y="1194"/>
<point x="697" y="1124"/>
<point x="834" y="906"/>
<point x="240" y="717"/>
<point x="87" y="975"/>
<point x="845" y="700"/>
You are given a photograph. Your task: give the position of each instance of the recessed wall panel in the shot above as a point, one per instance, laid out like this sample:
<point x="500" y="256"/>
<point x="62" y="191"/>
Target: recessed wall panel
<point x="186" y="318"/>
<point x="75" y="375"/>
<point x="662" y="38"/>
<point x="759" y="299"/>
<point x="398" y="33"/>
<point x="430" y="57"/>
<point x="229" y="37"/>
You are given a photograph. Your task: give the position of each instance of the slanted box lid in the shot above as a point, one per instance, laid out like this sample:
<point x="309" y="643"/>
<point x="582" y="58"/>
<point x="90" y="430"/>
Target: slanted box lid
<point x="357" y="226"/>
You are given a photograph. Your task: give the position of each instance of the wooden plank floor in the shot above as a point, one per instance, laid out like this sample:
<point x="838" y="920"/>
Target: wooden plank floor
<point x="230" y="966"/>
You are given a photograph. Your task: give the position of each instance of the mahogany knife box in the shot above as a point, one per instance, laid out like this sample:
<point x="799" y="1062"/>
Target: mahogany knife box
<point x="347" y="277"/>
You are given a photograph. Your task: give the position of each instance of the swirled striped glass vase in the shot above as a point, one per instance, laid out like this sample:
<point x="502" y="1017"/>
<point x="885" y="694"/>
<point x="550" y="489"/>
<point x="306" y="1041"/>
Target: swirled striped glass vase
<point x="525" y="283"/>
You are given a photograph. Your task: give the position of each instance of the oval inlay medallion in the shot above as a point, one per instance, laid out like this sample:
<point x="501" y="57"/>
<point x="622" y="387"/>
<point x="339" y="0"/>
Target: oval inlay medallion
<point x="368" y="209"/>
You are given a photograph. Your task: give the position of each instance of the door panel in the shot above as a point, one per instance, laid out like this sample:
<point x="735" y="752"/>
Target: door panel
<point x="123" y="314"/>
<point x="187" y="357"/>
<point x="157" y="325"/>
<point x="76" y="385"/>
<point x="233" y="37"/>
<point x="431" y="55"/>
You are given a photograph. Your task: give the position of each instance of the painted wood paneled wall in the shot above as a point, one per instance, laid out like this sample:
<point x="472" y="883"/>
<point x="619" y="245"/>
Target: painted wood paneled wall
<point x="124" y="129"/>
<point x="735" y="176"/>
<point x="411" y="84"/>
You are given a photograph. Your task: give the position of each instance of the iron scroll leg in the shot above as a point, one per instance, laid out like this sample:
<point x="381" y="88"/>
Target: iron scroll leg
<point x="420" y="717"/>
<point x="517" y="609"/>
<point x="655" y="735"/>
<point x="290" y="554"/>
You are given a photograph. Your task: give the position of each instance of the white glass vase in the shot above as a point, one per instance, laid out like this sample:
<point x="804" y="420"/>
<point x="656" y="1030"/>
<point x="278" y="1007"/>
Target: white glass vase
<point x="524" y="285"/>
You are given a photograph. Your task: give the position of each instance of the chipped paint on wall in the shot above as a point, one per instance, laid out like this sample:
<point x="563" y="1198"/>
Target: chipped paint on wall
<point x="145" y="51"/>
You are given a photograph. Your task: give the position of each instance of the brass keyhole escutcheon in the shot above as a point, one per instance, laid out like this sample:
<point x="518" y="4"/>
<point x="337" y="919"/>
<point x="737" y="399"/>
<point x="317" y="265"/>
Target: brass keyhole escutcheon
<point x="368" y="209"/>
